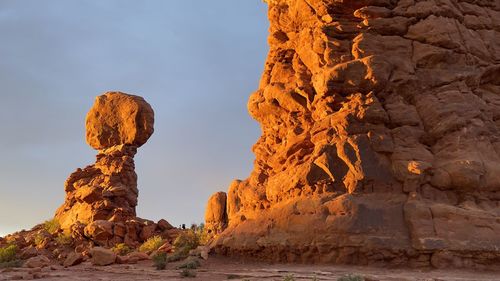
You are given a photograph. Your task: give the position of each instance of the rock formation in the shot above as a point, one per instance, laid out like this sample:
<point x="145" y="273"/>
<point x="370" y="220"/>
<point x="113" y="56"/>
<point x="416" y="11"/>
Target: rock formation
<point x="101" y="198"/>
<point x="380" y="141"/>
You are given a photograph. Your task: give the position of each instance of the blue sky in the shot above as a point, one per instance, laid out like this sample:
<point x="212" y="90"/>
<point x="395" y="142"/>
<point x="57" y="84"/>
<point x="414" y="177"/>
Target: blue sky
<point x="196" y="62"/>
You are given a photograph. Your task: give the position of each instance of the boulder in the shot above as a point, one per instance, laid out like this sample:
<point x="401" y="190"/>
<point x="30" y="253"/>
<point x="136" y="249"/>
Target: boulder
<point x="73" y="259"/>
<point x="37" y="262"/>
<point x="216" y="213"/>
<point x="119" y="119"/>
<point x="101" y="256"/>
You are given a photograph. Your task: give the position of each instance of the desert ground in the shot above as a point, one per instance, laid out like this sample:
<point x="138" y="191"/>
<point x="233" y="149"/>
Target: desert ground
<point x="221" y="268"/>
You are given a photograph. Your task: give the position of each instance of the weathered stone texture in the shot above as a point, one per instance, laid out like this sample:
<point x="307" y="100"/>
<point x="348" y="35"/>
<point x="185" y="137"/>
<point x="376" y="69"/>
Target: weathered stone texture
<point x="381" y="139"/>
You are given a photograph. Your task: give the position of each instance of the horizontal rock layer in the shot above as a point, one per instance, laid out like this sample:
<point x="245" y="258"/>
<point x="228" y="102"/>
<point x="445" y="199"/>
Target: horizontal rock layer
<point x="380" y="141"/>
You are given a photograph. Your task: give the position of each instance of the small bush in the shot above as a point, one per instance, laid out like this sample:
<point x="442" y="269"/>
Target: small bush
<point x="350" y="277"/>
<point x="186" y="273"/>
<point x="187" y="240"/>
<point x="177" y="256"/>
<point x="289" y="277"/>
<point x="63" y="239"/>
<point x="121" y="249"/>
<point x="152" y="244"/>
<point x="39" y="239"/>
<point x="8" y="254"/>
<point x="10" y="264"/>
<point x="191" y="263"/>
<point x="51" y="226"/>
<point x="160" y="261"/>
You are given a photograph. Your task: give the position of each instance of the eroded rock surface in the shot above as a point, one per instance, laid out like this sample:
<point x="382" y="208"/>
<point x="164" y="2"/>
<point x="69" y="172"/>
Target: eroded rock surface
<point x="119" y="119"/>
<point x="101" y="198"/>
<point x="380" y="141"/>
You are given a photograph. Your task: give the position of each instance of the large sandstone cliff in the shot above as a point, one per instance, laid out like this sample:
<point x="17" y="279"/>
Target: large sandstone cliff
<point x="380" y="137"/>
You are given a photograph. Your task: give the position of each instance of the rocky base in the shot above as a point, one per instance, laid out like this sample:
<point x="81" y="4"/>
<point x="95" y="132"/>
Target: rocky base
<point x="366" y="229"/>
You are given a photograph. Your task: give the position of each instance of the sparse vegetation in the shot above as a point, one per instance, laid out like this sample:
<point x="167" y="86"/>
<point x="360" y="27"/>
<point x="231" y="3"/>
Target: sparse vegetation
<point x="160" y="261"/>
<point x="190" y="263"/>
<point x="121" y="249"/>
<point x="63" y="239"/>
<point x="39" y="239"/>
<point x="8" y="254"/>
<point x="152" y="244"/>
<point x="8" y="257"/>
<point x="10" y="264"/>
<point x="186" y="273"/>
<point x="177" y="256"/>
<point x="351" y="277"/>
<point x="51" y="226"/>
<point x="289" y="277"/>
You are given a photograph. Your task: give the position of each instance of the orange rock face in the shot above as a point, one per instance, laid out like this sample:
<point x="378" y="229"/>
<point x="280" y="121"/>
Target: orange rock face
<point x="216" y="213"/>
<point x="381" y="139"/>
<point x="119" y="119"/>
<point x="101" y="198"/>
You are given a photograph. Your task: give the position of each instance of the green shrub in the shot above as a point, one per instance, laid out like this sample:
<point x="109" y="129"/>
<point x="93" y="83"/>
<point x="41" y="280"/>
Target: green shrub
<point x="152" y="244"/>
<point x="10" y="264"/>
<point x="121" y="249"/>
<point x="190" y="263"/>
<point x="8" y="254"/>
<point x="350" y="277"/>
<point x="289" y="277"/>
<point x="39" y="239"/>
<point x="177" y="256"/>
<point x="160" y="261"/>
<point x="63" y="239"/>
<point x="188" y="273"/>
<point x="187" y="240"/>
<point x="51" y="226"/>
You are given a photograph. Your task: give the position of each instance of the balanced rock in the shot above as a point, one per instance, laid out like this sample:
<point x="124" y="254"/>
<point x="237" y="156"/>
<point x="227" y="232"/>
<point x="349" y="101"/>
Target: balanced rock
<point x="119" y="119"/>
<point x="381" y="136"/>
<point x="101" y="198"/>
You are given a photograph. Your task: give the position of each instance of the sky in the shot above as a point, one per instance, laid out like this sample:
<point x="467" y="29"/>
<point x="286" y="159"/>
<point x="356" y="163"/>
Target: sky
<point x="196" y="62"/>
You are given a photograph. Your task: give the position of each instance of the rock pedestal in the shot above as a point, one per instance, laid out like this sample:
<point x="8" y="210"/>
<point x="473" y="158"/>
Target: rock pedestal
<point x="381" y="139"/>
<point x="101" y="198"/>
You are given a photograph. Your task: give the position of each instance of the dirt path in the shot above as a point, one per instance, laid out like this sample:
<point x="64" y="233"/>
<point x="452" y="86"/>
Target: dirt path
<point x="225" y="269"/>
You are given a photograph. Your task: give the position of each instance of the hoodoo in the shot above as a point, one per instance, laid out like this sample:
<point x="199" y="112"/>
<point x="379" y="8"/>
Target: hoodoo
<point x="380" y="137"/>
<point x="101" y="198"/>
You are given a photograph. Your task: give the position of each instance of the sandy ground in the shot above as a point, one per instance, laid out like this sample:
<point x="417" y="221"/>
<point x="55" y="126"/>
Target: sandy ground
<point x="226" y="269"/>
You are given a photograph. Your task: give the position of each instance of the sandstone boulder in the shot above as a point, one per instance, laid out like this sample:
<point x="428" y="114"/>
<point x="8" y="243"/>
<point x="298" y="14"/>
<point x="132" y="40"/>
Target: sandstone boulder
<point x="119" y="119"/>
<point x="73" y="259"/>
<point x="37" y="262"/>
<point x="101" y="256"/>
<point x="216" y="213"/>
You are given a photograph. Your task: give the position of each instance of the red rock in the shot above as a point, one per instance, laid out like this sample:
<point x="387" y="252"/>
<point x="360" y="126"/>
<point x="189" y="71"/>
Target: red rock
<point x="216" y="214"/>
<point x="102" y="256"/>
<point x="119" y="119"/>
<point x="380" y="137"/>
<point x="101" y="198"/>
<point x="73" y="259"/>
<point x="38" y="261"/>
<point x="164" y="225"/>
